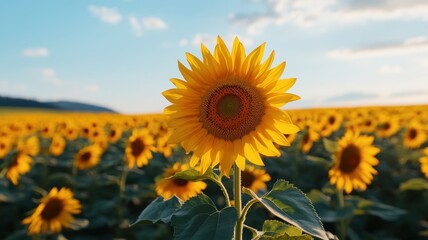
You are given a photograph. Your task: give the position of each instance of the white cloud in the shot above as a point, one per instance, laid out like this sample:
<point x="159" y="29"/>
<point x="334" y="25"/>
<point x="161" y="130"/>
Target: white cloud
<point x="411" y="45"/>
<point x="154" y="23"/>
<point x="105" y="14"/>
<point x="49" y="76"/>
<point x="424" y="62"/>
<point x="211" y="40"/>
<point x="136" y="26"/>
<point x="35" y="52"/>
<point x="389" y="69"/>
<point x="91" y="88"/>
<point x="308" y="13"/>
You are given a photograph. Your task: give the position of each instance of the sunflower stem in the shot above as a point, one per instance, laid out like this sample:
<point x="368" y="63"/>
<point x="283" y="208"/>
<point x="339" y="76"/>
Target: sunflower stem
<point x="343" y="225"/>
<point x="122" y="185"/>
<point x="238" y="203"/>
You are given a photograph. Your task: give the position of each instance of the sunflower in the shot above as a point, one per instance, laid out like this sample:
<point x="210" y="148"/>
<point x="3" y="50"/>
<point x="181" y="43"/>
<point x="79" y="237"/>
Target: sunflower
<point x="167" y="187"/>
<point x="20" y="165"/>
<point x="30" y="146"/>
<point x="414" y="136"/>
<point x="424" y="162"/>
<point x="57" y="145"/>
<point x="48" y="130"/>
<point x="164" y="147"/>
<point x="139" y="148"/>
<point x="255" y="179"/>
<point x="388" y="127"/>
<point x="227" y="109"/>
<point x="70" y="132"/>
<point x="5" y="146"/>
<point x="309" y="137"/>
<point x="354" y="161"/>
<point x="54" y="212"/>
<point x="88" y="157"/>
<point x="114" y="133"/>
<point x="334" y="120"/>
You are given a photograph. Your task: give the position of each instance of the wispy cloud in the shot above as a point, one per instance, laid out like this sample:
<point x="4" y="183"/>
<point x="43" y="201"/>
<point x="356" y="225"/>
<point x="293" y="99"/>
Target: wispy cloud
<point x="389" y="69"/>
<point x="154" y="23"/>
<point x="137" y="29"/>
<point x="35" y="52"/>
<point x="49" y="76"/>
<point x="210" y="40"/>
<point x="105" y="14"/>
<point x="411" y="45"/>
<point x="307" y="13"/>
<point x="352" y="96"/>
<point x="146" y="24"/>
<point x="12" y="88"/>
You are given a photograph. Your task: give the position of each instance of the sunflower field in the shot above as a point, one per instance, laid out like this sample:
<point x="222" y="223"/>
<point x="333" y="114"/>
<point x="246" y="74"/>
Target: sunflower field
<point x="224" y="161"/>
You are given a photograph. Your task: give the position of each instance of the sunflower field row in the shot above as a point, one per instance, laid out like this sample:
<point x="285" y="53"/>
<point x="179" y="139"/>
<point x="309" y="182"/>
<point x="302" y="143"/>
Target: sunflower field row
<point x="89" y="176"/>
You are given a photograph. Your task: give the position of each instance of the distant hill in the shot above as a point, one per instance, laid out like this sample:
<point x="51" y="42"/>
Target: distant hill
<point x="59" y="105"/>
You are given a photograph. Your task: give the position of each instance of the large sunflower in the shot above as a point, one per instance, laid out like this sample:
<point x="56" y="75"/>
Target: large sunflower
<point x="354" y="161"/>
<point x="255" y="179"/>
<point x="88" y="156"/>
<point x="139" y="148"/>
<point x="424" y="162"/>
<point x="227" y="109"/>
<point x="20" y="165"/>
<point x="54" y="212"/>
<point x="167" y="187"/>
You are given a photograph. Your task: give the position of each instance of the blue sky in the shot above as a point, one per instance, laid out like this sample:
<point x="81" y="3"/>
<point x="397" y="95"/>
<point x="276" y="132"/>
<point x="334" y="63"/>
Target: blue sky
<point x="122" y="53"/>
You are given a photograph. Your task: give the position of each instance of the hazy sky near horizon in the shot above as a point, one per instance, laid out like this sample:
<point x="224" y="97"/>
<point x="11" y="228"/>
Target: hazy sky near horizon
<point x="122" y="53"/>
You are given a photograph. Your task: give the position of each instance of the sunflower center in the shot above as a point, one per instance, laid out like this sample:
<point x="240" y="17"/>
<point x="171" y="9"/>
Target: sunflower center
<point x="112" y="133"/>
<point x="85" y="156"/>
<point x="2" y="146"/>
<point x="386" y="126"/>
<point x="350" y="159"/>
<point x="52" y="209"/>
<point x="247" y="179"/>
<point x="413" y="133"/>
<point x="137" y="147"/>
<point x="331" y="120"/>
<point x="231" y="110"/>
<point x="180" y="182"/>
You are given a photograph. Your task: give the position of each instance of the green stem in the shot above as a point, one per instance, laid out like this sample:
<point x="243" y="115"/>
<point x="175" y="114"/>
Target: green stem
<point x="224" y="190"/>
<point x="121" y="205"/>
<point x="238" y="203"/>
<point x="245" y="210"/>
<point x="343" y="225"/>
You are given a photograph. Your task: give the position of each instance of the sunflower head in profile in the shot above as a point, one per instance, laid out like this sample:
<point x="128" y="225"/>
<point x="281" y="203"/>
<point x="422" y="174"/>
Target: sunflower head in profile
<point x="57" y="145"/>
<point x="354" y="162"/>
<point x="30" y="146"/>
<point x="227" y="108"/>
<point x="414" y="136"/>
<point x="424" y="162"/>
<point x="20" y="165"/>
<point x="139" y="148"/>
<point x="88" y="157"/>
<point x="54" y="212"/>
<point x="254" y="179"/>
<point x="183" y="189"/>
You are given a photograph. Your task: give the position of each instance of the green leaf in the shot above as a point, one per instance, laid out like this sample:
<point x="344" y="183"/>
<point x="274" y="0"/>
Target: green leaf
<point x="194" y="175"/>
<point x="198" y="218"/>
<point x="278" y="230"/>
<point x="329" y="145"/>
<point x="384" y="211"/>
<point x="291" y="205"/>
<point x="415" y="184"/>
<point x="159" y="210"/>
